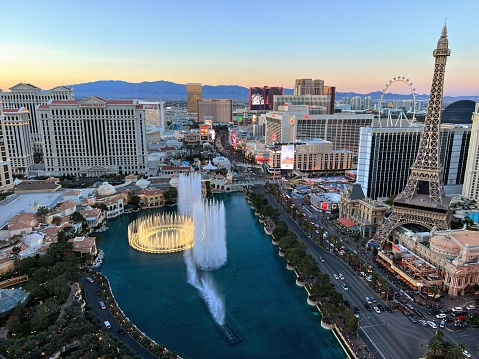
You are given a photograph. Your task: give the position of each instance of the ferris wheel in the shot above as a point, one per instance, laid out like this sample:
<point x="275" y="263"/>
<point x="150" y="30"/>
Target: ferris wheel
<point x="397" y="104"/>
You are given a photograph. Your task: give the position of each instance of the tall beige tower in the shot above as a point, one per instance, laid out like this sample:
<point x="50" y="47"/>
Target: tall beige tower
<point x="471" y="178"/>
<point x="423" y="201"/>
<point x="193" y="93"/>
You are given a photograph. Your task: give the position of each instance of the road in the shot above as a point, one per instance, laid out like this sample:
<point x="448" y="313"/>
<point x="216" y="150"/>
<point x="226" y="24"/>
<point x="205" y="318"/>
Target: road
<point x="94" y="299"/>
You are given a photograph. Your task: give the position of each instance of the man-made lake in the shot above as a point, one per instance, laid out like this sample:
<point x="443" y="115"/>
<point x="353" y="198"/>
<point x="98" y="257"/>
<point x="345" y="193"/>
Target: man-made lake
<point x="263" y="304"/>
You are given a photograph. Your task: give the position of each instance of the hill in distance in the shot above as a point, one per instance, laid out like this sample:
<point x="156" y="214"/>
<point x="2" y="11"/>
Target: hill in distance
<point x="170" y="90"/>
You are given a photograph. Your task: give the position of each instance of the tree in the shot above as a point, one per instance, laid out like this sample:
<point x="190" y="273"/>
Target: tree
<point x="77" y="217"/>
<point x="436" y="346"/>
<point x="42" y="211"/>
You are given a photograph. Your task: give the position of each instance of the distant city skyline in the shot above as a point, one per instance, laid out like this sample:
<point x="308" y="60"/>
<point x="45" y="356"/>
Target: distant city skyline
<point x="355" y="46"/>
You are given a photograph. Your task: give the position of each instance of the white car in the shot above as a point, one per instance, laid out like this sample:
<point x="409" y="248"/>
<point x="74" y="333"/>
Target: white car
<point x="457" y="309"/>
<point x="345" y="287"/>
<point x="466" y="354"/>
<point x="369" y="301"/>
<point x="335" y="276"/>
<point x="468" y="307"/>
<point x="90" y="279"/>
<point x="369" y="278"/>
<point x="321" y="259"/>
<point x="377" y="310"/>
<point x="440" y="316"/>
<point x="432" y="324"/>
<point x="342" y="277"/>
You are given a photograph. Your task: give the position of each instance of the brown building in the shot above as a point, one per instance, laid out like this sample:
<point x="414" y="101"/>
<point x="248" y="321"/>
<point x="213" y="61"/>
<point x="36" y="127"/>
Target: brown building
<point x="216" y="111"/>
<point x="193" y="93"/>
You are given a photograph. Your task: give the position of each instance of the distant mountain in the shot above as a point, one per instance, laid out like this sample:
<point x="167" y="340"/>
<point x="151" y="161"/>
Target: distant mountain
<point x="170" y="90"/>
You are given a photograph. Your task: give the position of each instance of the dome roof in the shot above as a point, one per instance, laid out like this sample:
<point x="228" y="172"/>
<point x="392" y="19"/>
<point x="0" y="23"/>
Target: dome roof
<point x="174" y="181"/>
<point x="459" y="112"/>
<point x="9" y="299"/>
<point x="106" y="189"/>
<point x="444" y="245"/>
<point x="175" y="127"/>
<point x="142" y="183"/>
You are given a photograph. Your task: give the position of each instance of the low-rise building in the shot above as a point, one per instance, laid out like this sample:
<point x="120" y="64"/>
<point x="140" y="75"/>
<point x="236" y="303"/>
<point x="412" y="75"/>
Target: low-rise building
<point x="151" y="198"/>
<point x="93" y="216"/>
<point x="83" y="246"/>
<point x="20" y="224"/>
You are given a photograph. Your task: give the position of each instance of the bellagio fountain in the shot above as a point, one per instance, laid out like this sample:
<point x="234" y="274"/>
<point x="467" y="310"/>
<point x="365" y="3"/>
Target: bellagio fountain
<point x="199" y="229"/>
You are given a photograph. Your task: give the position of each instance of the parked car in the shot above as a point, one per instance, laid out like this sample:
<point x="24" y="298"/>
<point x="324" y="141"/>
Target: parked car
<point x="470" y="307"/>
<point x="90" y="279"/>
<point x="121" y="331"/>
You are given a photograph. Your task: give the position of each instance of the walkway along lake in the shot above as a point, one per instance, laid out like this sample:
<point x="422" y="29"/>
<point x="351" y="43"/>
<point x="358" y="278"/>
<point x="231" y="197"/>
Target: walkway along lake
<point x="264" y="307"/>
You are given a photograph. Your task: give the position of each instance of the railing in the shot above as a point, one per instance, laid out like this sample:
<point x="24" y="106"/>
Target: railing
<point x="13" y="281"/>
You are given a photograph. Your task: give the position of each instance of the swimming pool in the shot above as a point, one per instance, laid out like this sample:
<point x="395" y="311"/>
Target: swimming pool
<point x="474" y="216"/>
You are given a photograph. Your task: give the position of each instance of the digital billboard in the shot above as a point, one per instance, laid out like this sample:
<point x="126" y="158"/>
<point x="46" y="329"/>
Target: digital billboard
<point x="270" y="93"/>
<point x="233" y="139"/>
<point x="204" y="129"/>
<point x="256" y="99"/>
<point x="287" y="157"/>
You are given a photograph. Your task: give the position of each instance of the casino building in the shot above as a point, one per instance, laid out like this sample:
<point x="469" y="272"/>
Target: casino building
<point x="93" y="137"/>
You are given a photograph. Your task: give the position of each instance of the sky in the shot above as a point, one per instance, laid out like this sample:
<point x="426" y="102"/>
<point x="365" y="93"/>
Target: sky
<point x="357" y="46"/>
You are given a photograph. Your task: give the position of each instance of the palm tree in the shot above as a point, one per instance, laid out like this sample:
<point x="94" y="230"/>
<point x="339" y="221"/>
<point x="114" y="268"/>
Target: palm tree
<point x="436" y="346"/>
<point x="455" y="351"/>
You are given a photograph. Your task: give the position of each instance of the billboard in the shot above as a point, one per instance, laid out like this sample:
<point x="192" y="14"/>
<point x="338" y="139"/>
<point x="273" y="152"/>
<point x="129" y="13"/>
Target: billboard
<point x="256" y="99"/>
<point x="287" y="157"/>
<point x="233" y="139"/>
<point x="270" y="93"/>
<point x="204" y="129"/>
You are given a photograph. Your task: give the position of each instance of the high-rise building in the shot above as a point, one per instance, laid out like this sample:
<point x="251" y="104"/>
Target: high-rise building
<point x="194" y="92"/>
<point x="422" y="201"/>
<point x="216" y="111"/>
<point x="6" y="177"/>
<point x="308" y="87"/>
<point x="296" y="123"/>
<point x="367" y="103"/>
<point x="356" y="103"/>
<point x="386" y="155"/>
<point x="93" y="137"/>
<point x="471" y="182"/>
<point x="262" y="98"/>
<point x="30" y="96"/>
<point x="18" y="140"/>
<point x="346" y="101"/>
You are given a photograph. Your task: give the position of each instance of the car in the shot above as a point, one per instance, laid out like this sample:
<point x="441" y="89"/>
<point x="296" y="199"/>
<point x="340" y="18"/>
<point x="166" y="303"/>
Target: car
<point x="376" y="309"/>
<point x="345" y="287"/>
<point x="388" y="309"/>
<point x="90" y="279"/>
<point x="107" y="324"/>
<point x="419" y="314"/>
<point x="470" y="307"/>
<point x="356" y="315"/>
<point x="121" y="331"/>
<point x="373" y="300"/>
<point x="356" y="310"/>
<point x="98" y="292"/>
<point x="368" y="300"/>
<point x="476" y="301"/>
<point x="423" y="322"/>
<point x="102" y="305"/>
<point x="441" y="316"/>
<point x="413" y="319"/>
<point x="341" y="276"/>
<point x="321" y="259"/>
<point x="473" y="314"/>
<point x="335" y="276"/>
<point x="406" y="312"/>
<point x="367" y="306"/>
<point x="347" y="304"/>
<point x="442" y="324"/>
<point x="368" y="278"/>
<point x="381" y="308"/>
<point x="466" y="354"/>
<point x="432" y="324"/>
<point x="457" y="309"/>
<point x="432" y="311"/>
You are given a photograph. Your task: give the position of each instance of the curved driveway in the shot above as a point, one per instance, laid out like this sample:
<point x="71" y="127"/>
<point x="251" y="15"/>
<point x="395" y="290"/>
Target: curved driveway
<point x="93" y="299"/>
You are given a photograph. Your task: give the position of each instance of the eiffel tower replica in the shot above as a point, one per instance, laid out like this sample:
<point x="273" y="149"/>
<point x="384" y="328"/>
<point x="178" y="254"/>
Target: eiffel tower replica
<point x="423" y="201"/>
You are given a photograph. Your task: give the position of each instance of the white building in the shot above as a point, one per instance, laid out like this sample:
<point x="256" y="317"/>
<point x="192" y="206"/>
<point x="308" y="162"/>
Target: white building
<point x="92" y="137"/>
<point x="6" y="178"/>
<point x="20" y="148"/>
<point x="471" y="180"/>
<point x="30" y="96"/>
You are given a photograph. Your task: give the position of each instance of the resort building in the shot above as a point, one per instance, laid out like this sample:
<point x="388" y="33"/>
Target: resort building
<point x="93" y="137"/>
<point x="296" y="123"/>
<point x="83" y="246"/>
<point x="454" y="254"/>
<point x="365" y="213"/>
<point x="30" y="97"/>
<point x="6" y="176"/>
<point x="471" y="181"/>
<point x="151" y="198"/>
<point x="194" y="92"/>
<point x="20" y="148"/>
<point x="93" y="216"/>
<point x="215" y="111"/>
<point x="386" y="155"/>
<point x="314" y="156"/>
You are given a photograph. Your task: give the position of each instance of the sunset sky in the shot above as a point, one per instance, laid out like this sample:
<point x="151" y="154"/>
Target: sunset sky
<point x="354" y="45"/>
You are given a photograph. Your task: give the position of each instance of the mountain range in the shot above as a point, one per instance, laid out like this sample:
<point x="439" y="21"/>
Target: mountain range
<point x="167" y="90"/>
